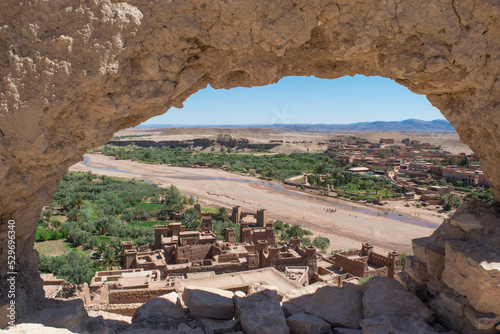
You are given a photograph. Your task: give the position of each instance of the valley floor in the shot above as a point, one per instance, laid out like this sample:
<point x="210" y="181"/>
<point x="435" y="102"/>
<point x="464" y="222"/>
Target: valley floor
<point x="346" y="228"/>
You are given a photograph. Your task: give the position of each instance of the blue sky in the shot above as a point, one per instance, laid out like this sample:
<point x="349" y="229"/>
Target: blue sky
<point x="303" y="100"/>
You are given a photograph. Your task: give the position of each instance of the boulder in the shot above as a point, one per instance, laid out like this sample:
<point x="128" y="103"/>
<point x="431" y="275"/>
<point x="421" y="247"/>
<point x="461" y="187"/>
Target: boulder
<point x="341" y="307"/>
<point x="115" y="321"/>
<point x="261" y="313"/>
<point x="69" y="314"/>
<point x="481" y="321"/>
<point x="385" y="296"/>
<point x="455" y="304"/>
<point x="209" y="302"/>
<point x="36" y="329"/>
<point x="416" y="269"/>
<point x="447" y="318"/>
<point x="395" y="324"/>
<point x="302" y="323"/>
<point x="167" y="305"/>
<point x="162" y="313"/>
<point x="342" y="330"/>
<point x="435" y="260"/>
<point x="419" y="246"/>
<point x="295" y="301"/>
<point x="213" y="326"/>
<point x="474" y="272"/>
<point x="151" y="331"/>
<point x="466" y="221"/>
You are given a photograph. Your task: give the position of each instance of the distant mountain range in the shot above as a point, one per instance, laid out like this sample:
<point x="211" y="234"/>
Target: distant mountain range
<point x="409" y="125"/>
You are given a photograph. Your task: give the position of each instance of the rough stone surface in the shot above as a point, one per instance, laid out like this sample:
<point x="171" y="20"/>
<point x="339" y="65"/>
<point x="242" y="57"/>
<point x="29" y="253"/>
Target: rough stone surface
<point x="164" y="312"/>
<point x="295" y="301"/>
<point x="261" y="313"/>
<point x="435" y="261"/>
<point x="35" y="329"/>
<point x="463" y="263"/>
<point x="69" y="314"/>
<point x="209" y="302"/>
<point x="467" y="222"/>
<point x="453" y="303"/>
<point x="341" y="307"/>
<point x="115" y="321"/>
<point x="416" y="270"/>
<point x="385" y="296"/>
<point x="212" y="326"/>
<point x="302" y="323"/>
<point x="458" y="323"/>
<point x="395" y="324"/>
<point x="341" y="330"/>
<point x="80" y="71"/>
<point x="473" y="271"/>
<point x="480" y="320"/>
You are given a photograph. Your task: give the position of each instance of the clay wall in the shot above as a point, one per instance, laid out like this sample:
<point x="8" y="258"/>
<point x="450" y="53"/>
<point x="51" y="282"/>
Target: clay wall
<point x="136" y="295"/>
<point x="354" y="267"/>
<point x="194" y="252"/>
<point x="377" y="260"/>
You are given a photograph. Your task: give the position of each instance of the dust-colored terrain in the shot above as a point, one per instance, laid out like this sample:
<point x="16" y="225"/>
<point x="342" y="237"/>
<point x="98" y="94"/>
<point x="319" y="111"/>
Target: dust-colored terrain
<point x="296" y="141"/>
<point x="346" y="228"/>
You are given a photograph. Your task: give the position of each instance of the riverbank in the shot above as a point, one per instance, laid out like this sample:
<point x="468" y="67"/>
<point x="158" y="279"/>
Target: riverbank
<point x="347" y="227"/>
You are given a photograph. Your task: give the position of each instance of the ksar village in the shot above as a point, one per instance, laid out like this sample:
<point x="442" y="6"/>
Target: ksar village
<point x="191" y="167"/>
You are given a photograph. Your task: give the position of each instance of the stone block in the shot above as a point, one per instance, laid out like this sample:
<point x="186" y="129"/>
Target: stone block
<point x="214" y="326"/>
<point x="35" y="329"/>
<point x="419" y="246"/>
<point x="209" y="302"/>
<point x="302" y="323"/>
<point x="261" y="313"/>
<point x="417" y="289"/>
<point x="69" y="314"/>
<point x="416" y="269"/>
<point x="395" y="324"/>
<point x="454" y="304"/>
<point x="342" y="330"/>
<point x="341" y="307"/>
<point x="466" y="221"/>
<point x="385" y="296"/>
<point x="434" y="286"/>
<point x="435" y="260"/>
<point x="474" y="272"/>
<point x="161" y="312"/>
<point x="480" y="320"/>
<point x="295" y="301"/>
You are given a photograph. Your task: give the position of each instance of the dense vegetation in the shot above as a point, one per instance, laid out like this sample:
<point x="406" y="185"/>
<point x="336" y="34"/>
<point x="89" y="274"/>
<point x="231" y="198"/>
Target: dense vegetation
<point x="279" y="166"/>
<point x="98" y="213"/>
<point x="269" y="167"/>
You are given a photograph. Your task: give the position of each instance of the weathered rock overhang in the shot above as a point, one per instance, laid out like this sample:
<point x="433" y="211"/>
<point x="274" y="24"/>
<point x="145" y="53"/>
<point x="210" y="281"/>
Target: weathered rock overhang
<point x="73" y="73"/>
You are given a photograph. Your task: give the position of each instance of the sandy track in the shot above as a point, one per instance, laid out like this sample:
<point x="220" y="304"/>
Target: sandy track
<point x="346" y="228"/>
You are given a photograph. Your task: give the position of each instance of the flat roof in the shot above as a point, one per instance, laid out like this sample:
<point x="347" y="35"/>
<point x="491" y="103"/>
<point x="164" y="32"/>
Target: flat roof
<point x="268" y="276"/>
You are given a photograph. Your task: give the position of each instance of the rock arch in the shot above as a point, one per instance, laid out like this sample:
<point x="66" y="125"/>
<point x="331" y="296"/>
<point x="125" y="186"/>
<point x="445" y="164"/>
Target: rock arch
<point x="74" y="72"/>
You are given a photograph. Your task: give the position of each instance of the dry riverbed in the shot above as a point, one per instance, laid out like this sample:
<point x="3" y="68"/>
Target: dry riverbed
<point x="346" y="228"/>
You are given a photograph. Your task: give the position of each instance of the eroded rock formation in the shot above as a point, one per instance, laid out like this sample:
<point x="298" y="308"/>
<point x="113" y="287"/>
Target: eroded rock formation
<point x="73" y="73"/>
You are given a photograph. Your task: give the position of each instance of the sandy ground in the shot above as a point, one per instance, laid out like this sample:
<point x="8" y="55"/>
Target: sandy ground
<point x="448" y="141"/>
<point x="347" y="228"/>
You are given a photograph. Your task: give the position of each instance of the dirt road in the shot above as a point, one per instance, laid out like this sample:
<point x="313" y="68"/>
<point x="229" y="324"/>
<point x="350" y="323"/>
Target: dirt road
<point x="347" y="227"/>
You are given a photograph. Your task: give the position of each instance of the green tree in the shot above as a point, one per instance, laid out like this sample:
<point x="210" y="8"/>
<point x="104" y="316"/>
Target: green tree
<point x="321" y="243"/>
<point x="110" y="258"/>
<point x="223" y="215"/>
<point x="44" y="235"/>
<point x="73" y="266"/>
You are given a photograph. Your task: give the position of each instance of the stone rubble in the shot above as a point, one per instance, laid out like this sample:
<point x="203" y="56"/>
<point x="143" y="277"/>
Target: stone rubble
<point x="341" y="307"/>
<point x="209" y="303"/>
